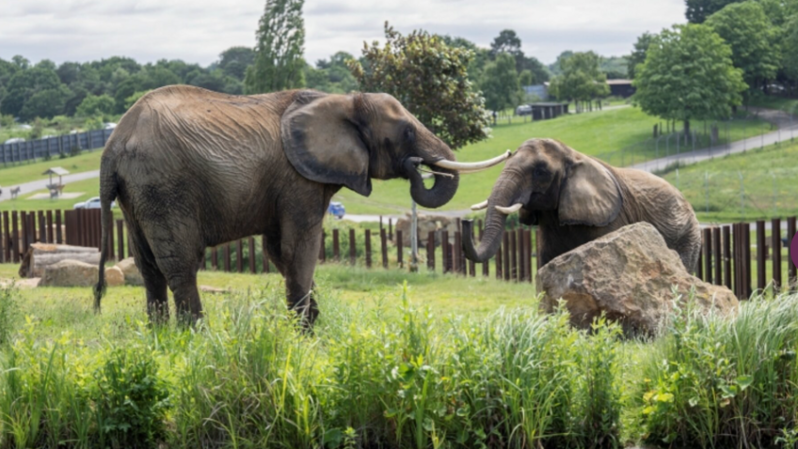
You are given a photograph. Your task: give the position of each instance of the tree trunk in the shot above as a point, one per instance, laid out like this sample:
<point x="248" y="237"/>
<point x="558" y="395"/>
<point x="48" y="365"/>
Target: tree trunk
<point x="686" y="129"/>
<point x="42" y="255"/>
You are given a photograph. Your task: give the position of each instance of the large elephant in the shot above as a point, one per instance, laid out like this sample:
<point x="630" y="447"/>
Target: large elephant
<point x="575" y="199"/>
<point x="192" y="168"/>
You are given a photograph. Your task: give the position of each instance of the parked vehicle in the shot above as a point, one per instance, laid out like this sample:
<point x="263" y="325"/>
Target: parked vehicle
<point x="92" y="203"/>
<point x="110" y="125"/>
<point x="336" y="209"/>
<point x="14" y="140"/>
<point x="524" y="109"/>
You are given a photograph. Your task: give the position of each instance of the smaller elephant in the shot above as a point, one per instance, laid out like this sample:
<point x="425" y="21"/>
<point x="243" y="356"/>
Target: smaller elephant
<point x="575" y="199"/>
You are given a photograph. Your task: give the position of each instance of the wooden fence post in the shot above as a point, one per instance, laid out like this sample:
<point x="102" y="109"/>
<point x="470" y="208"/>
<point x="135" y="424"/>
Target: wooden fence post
<point x="791" y="269"/>
<point x="399" y="248"/>
<point x="15" y="236"/>
<point x="253" y="266"/>
<point x="226" y="257"/>
<point x="384" y="242"/>
<point x="239" y="256"/>
<point x="506" y="251"/>
<point x="700" y="268"/>
<point x="727" y="271"/>
<point x="23" y="218"/>
<point x="499" y="265"/>
<point x="431" y="250"/>
<point x="717" y="256"/>
<point x="775" y="239"/>
<point x="445" y="254"/>
<point x="457" y="252"/>
<point x="265" y="253"/>
<point x="352" y="247"/>
<point x="59" y="238"/>
<point x="42" y="228"/>
<point x="50" y="233"/>
<point x="760" y="255"/>
<point x="708" y="254"/>
<point x="336" y="246"/>
<point x="120" y="241"/>
<point x="513" y="256"/>
<point x="368" y="248"/>
<point x="390" y="229"/>
<point x="323" y="249"/>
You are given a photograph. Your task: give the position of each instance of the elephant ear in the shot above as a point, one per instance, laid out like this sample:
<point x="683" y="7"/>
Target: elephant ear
<point x="590" y="195"/>
<point x="322" y="141"/>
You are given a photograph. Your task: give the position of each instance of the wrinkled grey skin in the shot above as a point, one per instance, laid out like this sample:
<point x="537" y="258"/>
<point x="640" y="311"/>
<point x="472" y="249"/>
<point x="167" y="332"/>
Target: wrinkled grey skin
<point x="576" y="199"/>
<point x="192" y="169"/>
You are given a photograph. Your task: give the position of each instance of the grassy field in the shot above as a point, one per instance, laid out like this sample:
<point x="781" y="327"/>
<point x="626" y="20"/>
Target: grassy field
<point x="440" y="362"/>
<point x="758" y="184"/>
<point x="32" y="171"/>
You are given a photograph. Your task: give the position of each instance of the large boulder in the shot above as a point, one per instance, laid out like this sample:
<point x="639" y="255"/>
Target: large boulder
<point x="69" y="273"/>
<point x="630" y="275"/>
<point x="131" y="272"/>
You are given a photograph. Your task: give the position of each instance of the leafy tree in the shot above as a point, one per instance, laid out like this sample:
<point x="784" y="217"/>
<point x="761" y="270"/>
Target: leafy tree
<point x="688" y="75"/>
<point x="540" y="74"/>
<point x="581" y="80"/>
<point x="752" y="38"/>
<point x="430" y="79"/>
<point x="331" y="75"/>
<point x="235" y="60"/>
<point x="699" y="10"/>
<point x="94" y="105"/>
<point x="556" y="67"/>
<point x="506" y="42"/>
<point x="526" y="78"/>
<point x="616" y="67"/>
<point x="638" y="56"/>
<point x="45" y="103"/>
<point x="24" y="84"/>
<point x="278" y="53"/>
<point x="500" y="84"/>
<point x="131" y="100"/>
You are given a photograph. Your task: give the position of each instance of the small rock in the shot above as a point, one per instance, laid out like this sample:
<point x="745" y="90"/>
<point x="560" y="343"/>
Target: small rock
<point x="131" y="272"/>
<point x="20" y="283"/>
<point x="114" y="277"/>
<point x="213" y="290"/>
<point x="69" y="273"/>
<point x="630" y="275"/>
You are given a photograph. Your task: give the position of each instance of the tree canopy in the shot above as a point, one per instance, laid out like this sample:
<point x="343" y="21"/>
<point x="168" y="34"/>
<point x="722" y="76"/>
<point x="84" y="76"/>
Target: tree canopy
<point x="688" y="75"/>
<point x="753" y="40"/>
<point x="581" y="80"/>
<point x="278" y="59"/>
<point x="430" y="79"/>
<point x="500" y="84"/>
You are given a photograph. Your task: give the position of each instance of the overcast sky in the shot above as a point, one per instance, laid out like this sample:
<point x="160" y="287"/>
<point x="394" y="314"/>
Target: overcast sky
<point x="198" y="30"/>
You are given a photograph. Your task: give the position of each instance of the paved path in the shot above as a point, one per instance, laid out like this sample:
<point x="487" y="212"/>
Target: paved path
<point x="786" y="125"/>
<point x="30" y="187"/>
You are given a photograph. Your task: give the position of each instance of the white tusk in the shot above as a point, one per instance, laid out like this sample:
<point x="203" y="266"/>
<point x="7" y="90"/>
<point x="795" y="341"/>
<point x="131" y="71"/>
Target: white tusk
<point x="480" y="206"/>
<point x="509" y="210"/>
<point x="468" y="167"/>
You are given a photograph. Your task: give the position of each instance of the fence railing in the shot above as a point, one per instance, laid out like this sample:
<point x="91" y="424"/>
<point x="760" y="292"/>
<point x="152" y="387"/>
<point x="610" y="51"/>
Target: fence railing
<point x="383" y="247"/>
<point x="11" y="153"/>
<point x="727" y="257"/>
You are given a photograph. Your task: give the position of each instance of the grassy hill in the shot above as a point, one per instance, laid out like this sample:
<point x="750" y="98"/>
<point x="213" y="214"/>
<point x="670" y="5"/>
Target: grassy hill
<point x="757" y="184"/>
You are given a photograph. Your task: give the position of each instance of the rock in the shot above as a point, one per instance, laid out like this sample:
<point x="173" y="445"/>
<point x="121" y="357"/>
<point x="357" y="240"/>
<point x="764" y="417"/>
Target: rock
<point x="69" y="273"/>
<point x="629" y="274"/>
<point x="426" y="224"/>
<point x="131" y="272"/>
<point x="114" y="277"/>
<point x="213" y="290"/>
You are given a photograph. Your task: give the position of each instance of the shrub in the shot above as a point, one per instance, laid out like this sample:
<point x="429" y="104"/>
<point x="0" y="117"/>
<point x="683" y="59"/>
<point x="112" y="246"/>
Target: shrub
<point x="130" y="400"/>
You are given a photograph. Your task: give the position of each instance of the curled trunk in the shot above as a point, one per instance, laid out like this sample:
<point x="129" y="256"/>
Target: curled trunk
<point x="441" y="191"/>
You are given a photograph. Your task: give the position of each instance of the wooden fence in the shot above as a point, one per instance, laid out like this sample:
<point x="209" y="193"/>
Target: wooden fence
<point x="726" y="259"/>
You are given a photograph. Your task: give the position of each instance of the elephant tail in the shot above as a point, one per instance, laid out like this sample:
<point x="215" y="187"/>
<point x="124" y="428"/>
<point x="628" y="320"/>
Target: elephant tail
<point x="108" y="193"/>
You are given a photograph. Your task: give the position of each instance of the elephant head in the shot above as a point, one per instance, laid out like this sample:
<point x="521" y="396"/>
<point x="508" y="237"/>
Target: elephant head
<point x="349" y="139"/>
<point x="546" y="175"/>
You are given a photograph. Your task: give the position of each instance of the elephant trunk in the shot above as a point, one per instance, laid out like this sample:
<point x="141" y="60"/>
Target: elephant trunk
<point x="444" y="188"/>
<point x="504" y="194"/>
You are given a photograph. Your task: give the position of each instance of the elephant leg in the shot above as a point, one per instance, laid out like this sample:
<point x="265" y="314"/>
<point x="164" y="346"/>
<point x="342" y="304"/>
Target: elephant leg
<point x="154" y="280"/>
<point x="298" y="257"/>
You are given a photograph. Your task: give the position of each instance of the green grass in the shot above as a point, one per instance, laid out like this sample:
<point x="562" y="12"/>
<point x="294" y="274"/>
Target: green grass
<point x="442" y="362"/>
<point x="89" y="188"/>
<point x="775" y="102"/>
<point x="767" y="187"/>
<point x="32" y="171"/>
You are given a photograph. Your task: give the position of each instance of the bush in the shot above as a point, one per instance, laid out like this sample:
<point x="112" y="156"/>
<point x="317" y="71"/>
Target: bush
<point x="130" y="400"/>
<point x="714" y="382"/>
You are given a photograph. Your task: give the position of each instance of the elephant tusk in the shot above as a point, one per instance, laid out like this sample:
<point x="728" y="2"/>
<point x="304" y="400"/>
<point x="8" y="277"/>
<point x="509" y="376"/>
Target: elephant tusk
<point x="436" y="173"/>
<point x="470" y="167"/>
<point x="480" y="206"/>
<point x="509" y="210"/>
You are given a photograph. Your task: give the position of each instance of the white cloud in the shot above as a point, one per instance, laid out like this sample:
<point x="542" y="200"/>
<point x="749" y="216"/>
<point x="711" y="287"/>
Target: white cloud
<point x="198" y="30"/>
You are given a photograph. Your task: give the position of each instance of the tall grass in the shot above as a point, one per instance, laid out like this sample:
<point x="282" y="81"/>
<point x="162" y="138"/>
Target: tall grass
<point x="715" y="383"/>
<point x="397" y="376"/>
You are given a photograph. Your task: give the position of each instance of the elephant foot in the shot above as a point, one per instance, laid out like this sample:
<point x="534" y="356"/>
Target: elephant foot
<point x="307" y="311"/>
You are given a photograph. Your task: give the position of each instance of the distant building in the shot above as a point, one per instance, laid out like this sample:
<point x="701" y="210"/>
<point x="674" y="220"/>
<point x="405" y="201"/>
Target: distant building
<point x="539" y="90"/>
<point x="621" y="88"/>
<point x="544" y="111"/>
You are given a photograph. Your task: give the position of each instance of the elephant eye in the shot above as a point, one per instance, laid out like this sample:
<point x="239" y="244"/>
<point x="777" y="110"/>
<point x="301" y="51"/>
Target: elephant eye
<point x="410" y="134"/>
<point x="540" y="172"/>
